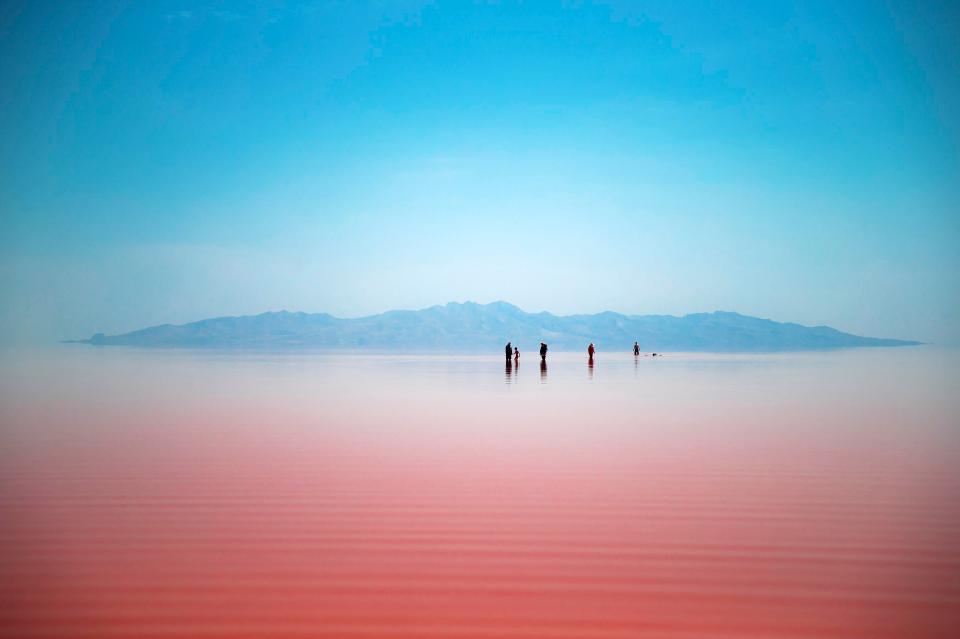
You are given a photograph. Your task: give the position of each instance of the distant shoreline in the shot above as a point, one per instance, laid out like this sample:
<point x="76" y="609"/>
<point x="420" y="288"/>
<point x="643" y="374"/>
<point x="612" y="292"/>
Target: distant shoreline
<point x="485" y="328"/>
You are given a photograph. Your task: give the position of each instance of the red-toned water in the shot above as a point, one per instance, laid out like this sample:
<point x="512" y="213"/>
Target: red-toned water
<point x="157" y="494"/>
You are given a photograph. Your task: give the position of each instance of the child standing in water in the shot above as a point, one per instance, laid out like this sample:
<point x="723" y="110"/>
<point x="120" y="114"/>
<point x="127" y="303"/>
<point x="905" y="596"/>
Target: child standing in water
<point x="516" y="354"/>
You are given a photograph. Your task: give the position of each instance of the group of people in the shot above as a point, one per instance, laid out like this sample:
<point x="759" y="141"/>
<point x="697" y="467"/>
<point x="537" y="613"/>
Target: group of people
<point x="512" y="351"/>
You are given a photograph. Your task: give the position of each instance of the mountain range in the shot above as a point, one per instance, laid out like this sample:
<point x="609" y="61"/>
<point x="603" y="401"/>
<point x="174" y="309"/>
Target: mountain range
<point x="487" y="327"/>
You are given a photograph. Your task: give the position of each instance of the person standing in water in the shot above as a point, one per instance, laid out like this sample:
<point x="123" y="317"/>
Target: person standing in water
<point x="508" y="350"/>
<point x="590" y="351"/>
<point x="543" y="351"/>
<point x="636" y="349"/>
<point x="516" y="354"/>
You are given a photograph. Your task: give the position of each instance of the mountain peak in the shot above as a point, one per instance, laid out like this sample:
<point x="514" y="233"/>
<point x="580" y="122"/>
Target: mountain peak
<point x="484" y="327"/>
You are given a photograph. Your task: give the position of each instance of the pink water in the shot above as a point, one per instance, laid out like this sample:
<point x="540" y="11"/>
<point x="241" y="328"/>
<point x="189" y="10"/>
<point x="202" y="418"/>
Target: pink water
<point x="165" y="494"/>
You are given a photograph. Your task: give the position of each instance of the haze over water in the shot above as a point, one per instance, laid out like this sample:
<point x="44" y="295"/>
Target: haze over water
<point x="157" y="493"/>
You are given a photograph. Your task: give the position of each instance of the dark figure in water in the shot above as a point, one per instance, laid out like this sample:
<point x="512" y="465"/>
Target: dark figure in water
<point x="636" y="349"/>
<point x="543" y="369"/>
<point x="590" y="351"/>
<point x="508" y="350"/>
<point x="543" y="351"/>
<point x="516" y="354"/>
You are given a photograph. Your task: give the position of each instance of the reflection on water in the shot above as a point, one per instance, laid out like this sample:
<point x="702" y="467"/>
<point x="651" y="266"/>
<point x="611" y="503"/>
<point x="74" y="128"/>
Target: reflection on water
<point x="543" y="371"/>
<point x="158" y="494"/>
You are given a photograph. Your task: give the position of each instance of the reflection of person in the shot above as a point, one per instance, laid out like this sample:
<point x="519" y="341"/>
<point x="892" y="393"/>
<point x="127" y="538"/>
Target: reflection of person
<point x="516" y="354"/>
<point x="508" y="350"/>
<point x="636" y="349"/>
<point x="543" y="369"/>
<point x="591" y="350"/>
<point x="543" y="351"/>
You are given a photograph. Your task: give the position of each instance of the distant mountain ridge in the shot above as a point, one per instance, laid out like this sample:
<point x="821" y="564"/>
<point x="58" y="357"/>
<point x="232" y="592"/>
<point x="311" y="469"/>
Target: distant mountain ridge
<point x="487" y="327"/>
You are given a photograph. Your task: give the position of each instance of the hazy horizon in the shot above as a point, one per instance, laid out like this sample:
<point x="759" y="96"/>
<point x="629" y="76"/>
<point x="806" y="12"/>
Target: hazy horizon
<point x="487" y="305"/>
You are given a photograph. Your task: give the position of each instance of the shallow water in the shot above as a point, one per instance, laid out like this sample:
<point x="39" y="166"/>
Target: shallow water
<point x="157" y="494"/>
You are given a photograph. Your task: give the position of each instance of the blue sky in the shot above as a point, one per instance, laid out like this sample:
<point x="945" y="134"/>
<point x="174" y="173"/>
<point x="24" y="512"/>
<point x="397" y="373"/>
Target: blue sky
<point x="169" y="161"/>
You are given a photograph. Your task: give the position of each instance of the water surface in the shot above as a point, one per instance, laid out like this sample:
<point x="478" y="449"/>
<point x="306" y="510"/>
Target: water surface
<point x="160" y="494"/>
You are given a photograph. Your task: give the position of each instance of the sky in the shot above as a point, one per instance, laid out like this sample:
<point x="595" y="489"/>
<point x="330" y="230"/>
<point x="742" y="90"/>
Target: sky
<point x="170" y="161"/>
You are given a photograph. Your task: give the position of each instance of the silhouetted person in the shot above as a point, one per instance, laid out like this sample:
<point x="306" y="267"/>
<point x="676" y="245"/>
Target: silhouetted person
<point x="590" y="351"/>
<point x="636" y="349"/>
<point x="543" y="353"/>
<point x="516" y="354"/>
<point x="508" y="350"/>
